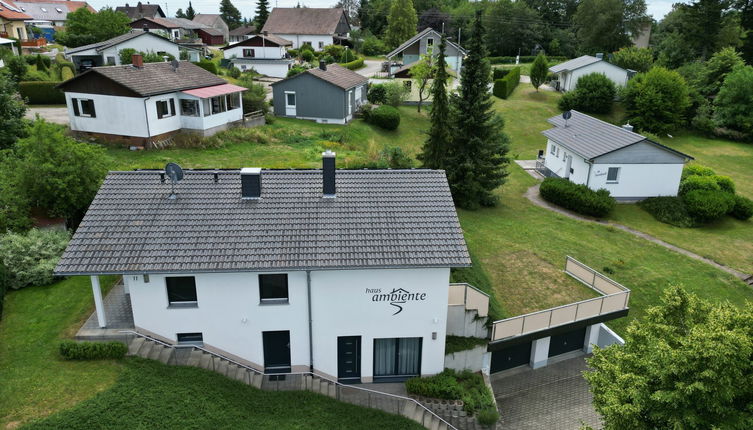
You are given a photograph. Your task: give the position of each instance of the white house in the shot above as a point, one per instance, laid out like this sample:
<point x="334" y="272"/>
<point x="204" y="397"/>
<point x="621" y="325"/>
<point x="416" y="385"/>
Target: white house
<point x="427" y="42"/>
<point x="241" y="33"/>
<point x="265" y="54"/>
<point x="108" y="52"/>
<point x="589" y="151"/>
<point x="341" y="272"/>
<point x="318" y="27"/>
<point x="144" y="103"/>
<point x="570" y="71"/>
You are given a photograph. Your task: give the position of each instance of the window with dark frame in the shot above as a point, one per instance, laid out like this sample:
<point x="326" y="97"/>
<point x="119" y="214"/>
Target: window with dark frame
<point x="181" y="291"/>
<point x="233" y="101"/>
<point x="189" y="107"/>
<point x="248" y="52"/>
<point x="165" y="108"/>
<point x="273" y="288"/>
<point x="612" y="175"/>
<point x="87" y="108"/>
<point x="191" y="338"/>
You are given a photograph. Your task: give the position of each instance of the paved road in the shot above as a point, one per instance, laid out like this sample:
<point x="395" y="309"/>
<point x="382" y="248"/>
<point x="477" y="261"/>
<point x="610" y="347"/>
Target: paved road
<point x="371" y="67"/>
<point x="57" y="115"/>
<point x="555" y="397"/>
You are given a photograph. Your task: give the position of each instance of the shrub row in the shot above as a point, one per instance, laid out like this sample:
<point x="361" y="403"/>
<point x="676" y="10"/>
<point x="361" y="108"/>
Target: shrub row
<point x="451" y="385"/>
<point x="523" y="59"/>
<point x="504" y="87"/>
<point x="578" y="198"/>
<point x="669" y="210"/>
<point x="499" y="73"/>
<point x="385" y="116"/>
<point x="353" y="65"/>
<point x="71" y="350"/>
<point x="41" y="92"/>
<point x="208" y="65"/>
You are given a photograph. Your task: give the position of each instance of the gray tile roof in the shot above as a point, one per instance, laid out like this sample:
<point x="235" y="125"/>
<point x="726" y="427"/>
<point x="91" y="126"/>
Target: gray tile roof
<point x="591" y="137"/>
<point x="303" y="20"/>
<point x="101" y="46"/>
<point x="417" y="37"/>
<point x="335" y="75"/>
<point x="44" y="11"/>
<point x="155" y="78"/>
<point x="243" y="30"/>
<point x="141" y="10"/>
<point x="575" y="63"/>
<point x="379" y="219"/>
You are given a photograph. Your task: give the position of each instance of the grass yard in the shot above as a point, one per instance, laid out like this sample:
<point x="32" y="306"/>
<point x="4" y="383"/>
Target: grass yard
<point x="172" y="397"/>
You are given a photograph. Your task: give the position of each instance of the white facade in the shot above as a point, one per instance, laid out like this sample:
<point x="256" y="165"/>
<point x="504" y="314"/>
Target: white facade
<point x="265" y="52"/>
<point x="317" y="41"/>
<point x="146" y="44"/>
<point x="635" y="180"/>
<point x="231" y="317"/>
<point x="568" y="79"/>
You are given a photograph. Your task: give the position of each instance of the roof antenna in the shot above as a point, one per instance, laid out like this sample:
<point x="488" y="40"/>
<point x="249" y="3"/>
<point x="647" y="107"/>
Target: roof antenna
<point x="175" y="173"/>
<point x="566" y="115"/>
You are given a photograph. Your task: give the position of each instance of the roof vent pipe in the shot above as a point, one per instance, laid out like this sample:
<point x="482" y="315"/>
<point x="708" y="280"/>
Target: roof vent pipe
<point x="251" y="183"/>
<point x="628" y="127"/>
<point x="328" y="174"/>
<point x="323" y="65"/>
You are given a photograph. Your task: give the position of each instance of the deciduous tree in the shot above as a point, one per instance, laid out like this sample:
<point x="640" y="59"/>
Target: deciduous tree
<point x="657" y="100"/>
<point x="402" y="22"/>
<point x="733" y="107"/>
<point x="421" y="73"/>
<point x="600" y="26"/>
<point x="83" y="27"/>
<point x="539" y="70"/>
<point x="634" y="58"/>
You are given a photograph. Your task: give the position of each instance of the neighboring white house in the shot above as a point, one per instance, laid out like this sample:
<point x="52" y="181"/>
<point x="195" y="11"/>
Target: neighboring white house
<point x="241" y="33"/>
<point x="344" y="273"/>
<point x="570" y="71"/>
<point x="144" y="103"/>
<point x="265" y="54"/>
<point x="318" y="27"/>
<point x="589" y="151"/>
<point x="108" y="52"/>
<point x="427" y="42"/>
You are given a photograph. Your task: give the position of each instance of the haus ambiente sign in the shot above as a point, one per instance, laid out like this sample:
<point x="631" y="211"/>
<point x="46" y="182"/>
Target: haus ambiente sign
<point x="397" y="297"/>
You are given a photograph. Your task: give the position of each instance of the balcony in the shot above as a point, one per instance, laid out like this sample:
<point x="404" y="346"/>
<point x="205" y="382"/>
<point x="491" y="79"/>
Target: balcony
<point x="35" y="43"/>
<point x="613" y="300"/>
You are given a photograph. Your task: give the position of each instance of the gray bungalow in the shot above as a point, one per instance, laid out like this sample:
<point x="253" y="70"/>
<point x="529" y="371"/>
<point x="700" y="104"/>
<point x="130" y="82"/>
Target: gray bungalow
<point x="424" y="43"/>
<point x="327" y="94"/>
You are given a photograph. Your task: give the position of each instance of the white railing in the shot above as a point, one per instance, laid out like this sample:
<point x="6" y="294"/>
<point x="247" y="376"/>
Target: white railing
<point x="615" y="297"/>
<point x="470" y="297"/>
<point x="294" y="380"/>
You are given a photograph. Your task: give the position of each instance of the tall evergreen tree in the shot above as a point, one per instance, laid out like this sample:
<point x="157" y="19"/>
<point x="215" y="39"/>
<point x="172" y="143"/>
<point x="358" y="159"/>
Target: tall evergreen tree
<point x="230" y="14"/>
<point x="190" y="12"/>
<point x="179" y="13"/>
<point x="539" y="70"/>
<point x="402" y="22"/>
<point x="440" y="133"/>
<point x="262" y="13"/>
<point x="477" y="162"/>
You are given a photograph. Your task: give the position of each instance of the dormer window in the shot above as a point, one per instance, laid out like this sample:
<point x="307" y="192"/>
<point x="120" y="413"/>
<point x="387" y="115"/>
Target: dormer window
<point x="44" y="10"/>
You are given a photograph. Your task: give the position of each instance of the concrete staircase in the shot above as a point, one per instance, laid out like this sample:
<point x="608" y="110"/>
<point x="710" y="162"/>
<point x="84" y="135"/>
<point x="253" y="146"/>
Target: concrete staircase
<point x="422" y="416"/>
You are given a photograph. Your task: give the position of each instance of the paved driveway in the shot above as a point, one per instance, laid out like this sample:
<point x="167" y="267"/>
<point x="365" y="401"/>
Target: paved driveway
<point x="555" y="397"/>
<point x="370" y="67"/>
<point x="57" y="115"/>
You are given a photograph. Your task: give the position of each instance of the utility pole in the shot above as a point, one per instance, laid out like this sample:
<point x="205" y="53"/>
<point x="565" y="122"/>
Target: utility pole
<point x="167" y="13"/>
<point x="459" y="35"/>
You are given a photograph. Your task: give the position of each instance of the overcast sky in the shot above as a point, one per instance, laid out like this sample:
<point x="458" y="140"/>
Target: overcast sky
<point x="656" y="8"/>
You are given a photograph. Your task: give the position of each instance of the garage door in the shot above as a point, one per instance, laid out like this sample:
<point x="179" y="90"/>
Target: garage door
<point x="513" y="356"/>
<point x="566" y="342"/>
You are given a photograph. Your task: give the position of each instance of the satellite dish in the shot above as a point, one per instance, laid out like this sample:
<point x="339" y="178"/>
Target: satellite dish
<point x="175" y="173"/>
<point x="566" y="115"/>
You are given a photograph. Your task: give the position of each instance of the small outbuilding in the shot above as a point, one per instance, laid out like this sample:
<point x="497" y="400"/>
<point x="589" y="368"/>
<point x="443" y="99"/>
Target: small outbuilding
<point x="589" y="151"/>
<point x="570" y="71"/>
<point x="266" y="54"/>
<point x="327" y="94"/>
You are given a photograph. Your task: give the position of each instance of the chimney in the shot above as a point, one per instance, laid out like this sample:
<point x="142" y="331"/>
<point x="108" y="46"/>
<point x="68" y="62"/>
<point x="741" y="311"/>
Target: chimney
<point x="600" y="56"/>
<point x="323" y="65"/>
<point x="137" y="61"/>
<point x="251" y="183"/>
<point x="328" y="174"/>
<point x="628" y="127"/>
<point x="146" y="27"/>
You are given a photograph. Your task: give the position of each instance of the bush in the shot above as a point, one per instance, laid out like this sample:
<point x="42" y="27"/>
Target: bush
<point x="377" y="94"/>
<point x="41" y="92"/>
<point x="697" y="170"/>
<point x="707" y="205"/>
<point x="742" y="210"/>
<point x="396" y="158"/>
<point x="296" y="70"/>
<point x="335" y="51"/>
<point x="499" y="73"/>
<point x="328" y="59"/>
<point x="725" y="183"/>
<point x="396" y="93"/>
<point x="29" y="258"/>
<point x="307" y="56"/>
<point x="207" y="65"/>
<point x="347" y="56"/>
<point x="669" y="210"/>
<point x="67" y="70"/>
<point x="578" y="198"/>
<point x="255" y="98"/>
<point x="234" y="72"/>
<point x="451" y="385"/>
<point x="126" y="55"/>
<point x="657" y="100"/>
<point x="36" y="76"/>
<point x="372" y="45"/>
<point x="488" y="416"/>
<point x="353" y="65"/>
<point x="594" y="93"/>
<point x="692" y="183"/>
<point x="71" y="350"/>
<point x="504" y="87"/>
<point x="386" y="117"/>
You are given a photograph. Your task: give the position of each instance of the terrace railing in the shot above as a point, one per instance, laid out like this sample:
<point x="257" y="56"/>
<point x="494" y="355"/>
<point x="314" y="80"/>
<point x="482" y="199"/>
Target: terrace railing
<point x="614" y="297"/>
<point x="469" y="296"/>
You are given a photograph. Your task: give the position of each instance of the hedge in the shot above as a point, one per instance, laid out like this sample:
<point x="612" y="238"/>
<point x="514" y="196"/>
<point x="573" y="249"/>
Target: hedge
<point x="207" y="65"/>
<point x="386" y="117"/>
<point x="742" y="210"/>
<point x="505" y="86"/>
<point x="41" y="92"/>
<point x="451" y="385"/>
<point x="708" y="205"/>
<point x="669" y="210"/>
<point x="578" y="198"/>
<point x="499" y="73"/>
<point x="523" y="59"/>
<point x="71" y="350"/>
<point x="353" y="65"/>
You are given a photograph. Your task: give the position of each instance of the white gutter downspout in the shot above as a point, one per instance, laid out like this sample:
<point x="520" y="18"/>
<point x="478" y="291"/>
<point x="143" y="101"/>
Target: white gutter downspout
<point x="311" y="335"/>
<point x="146" y="116"/>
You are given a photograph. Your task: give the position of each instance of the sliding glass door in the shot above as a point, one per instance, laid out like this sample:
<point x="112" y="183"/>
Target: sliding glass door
<point x="397" y="358"/>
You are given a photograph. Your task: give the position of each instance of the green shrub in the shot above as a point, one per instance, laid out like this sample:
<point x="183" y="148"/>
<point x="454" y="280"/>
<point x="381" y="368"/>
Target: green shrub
<point x="500" y="88"/>
<point x="488" y="417"/>
<point x="296" y="70"/>
<point x="126" y="55"/>
<point x="725" y="183"/>
<point x="396" y="157"/>
<point x="67" y="70"/>
<point x="307" y="56"/>
<point x="377" y="94"/>
<point x="41" y="93"/>
<point x="372" y="45"/>
<point x="29" y="258"/>
<point x="41" y="64"/>
<point x="461" y="343"/>
<point x="503" y="87"/>
<point x="207" y="65"/>
<point x="37" y="76"/>
<point x="669" y="210"/>
<point x="451" y="385"/>
<point x="697" y="170"/>
<point x="347" y="56"/>
<point x="3" y="288"/>
<point x="396" y="93"/>
<point x="71" y="350"/>
<point x="694" y="182"/>
<point x="708" y="205"/>
<point x="328" y="59"/>
<point x="334" y="50"/>
<point x="499" y="73"/>
<point x="594" y="93"/>
<point x="353" y="65"/>
<point x="386" y="117"/>
<point x="234" y="72"/>
<point x="578" y="198"/>
<point x="742" y="210"/>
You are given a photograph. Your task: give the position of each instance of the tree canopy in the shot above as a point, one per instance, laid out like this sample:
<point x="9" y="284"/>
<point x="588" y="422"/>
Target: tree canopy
<point x="439" y="138"/>
<point x="657" y="100"/>
<point x="633" y="58"/>
<point x="262" y="13"/>
<point x="539" y="70"/>
<point x="12" y="110"/>
<point x="733" y="107"/>
<point x="84" y="27"/>
<point x="230" y="14"/>
<point x="402" y="23"/>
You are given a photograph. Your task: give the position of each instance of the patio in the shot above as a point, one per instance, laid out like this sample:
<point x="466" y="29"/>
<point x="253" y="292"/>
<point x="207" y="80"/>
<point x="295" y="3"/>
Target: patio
<point x="119" y="316"/>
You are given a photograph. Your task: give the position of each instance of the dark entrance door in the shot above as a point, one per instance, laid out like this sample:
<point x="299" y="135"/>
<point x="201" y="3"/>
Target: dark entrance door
<point x="513" y="356"/>
<point x="276" y="351"/>
<point x="566" y="342"/>
<point x="349" y="359"/>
